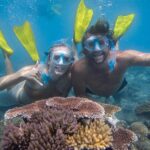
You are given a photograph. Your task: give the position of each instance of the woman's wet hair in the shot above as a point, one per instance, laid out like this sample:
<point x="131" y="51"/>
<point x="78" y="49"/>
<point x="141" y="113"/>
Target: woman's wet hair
<point x="101" y="27"/>
<point x="59" y="45"/>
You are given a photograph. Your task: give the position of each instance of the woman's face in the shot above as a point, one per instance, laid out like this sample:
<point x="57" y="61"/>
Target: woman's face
<point x="60" y="60"/>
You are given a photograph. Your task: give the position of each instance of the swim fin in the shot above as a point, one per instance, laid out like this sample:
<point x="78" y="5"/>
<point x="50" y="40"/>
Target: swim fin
<point x="26" y="37"/>
<point x="4" y="45"/>
<point x="82" y="20"/>
<point x="121" y="25"/>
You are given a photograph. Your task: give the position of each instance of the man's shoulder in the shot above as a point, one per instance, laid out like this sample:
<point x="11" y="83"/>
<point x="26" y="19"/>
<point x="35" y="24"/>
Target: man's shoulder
<point x="121" y="54"/>
<point x="80" y="65"/>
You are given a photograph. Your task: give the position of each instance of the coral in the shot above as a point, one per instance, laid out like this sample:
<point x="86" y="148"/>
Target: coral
<point x="52" y="124"/>
<point x="139" y="128"/>
<point x="46" y="129"/>
<point x="15" y="138"/>
<point x="95" y="135"/>
<point x="25" y="111"/>
<point x="81" y="107"/>
<point x="122" y="138"/>
<point x="110" y="110"/>
<point x="143" y="145"/>
<point x="68" y="103"/>
<point x="143" y="109"/>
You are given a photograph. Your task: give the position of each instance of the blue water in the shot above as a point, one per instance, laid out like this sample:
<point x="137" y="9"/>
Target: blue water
<point x="53" y="20"/>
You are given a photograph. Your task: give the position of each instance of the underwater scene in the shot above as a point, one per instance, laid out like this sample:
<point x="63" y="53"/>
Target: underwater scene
<point x="74" y="75"/>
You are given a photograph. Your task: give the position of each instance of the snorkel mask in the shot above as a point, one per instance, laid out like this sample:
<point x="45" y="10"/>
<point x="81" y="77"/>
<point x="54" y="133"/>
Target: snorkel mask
<point x="97" y="45"/>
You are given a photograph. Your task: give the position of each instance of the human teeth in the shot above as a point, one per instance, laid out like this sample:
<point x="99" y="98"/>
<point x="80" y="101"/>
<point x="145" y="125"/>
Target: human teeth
<point x="99" y="57"/>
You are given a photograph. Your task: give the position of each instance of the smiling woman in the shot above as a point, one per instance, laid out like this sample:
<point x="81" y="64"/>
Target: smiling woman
<point x="42" y="80"/>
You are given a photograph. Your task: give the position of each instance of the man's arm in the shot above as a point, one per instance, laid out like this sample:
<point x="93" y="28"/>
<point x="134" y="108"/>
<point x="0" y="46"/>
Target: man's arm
<point x="135" y="58"/>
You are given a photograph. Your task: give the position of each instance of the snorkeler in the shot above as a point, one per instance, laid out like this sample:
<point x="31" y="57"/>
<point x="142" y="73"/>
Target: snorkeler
<point x="47" y="79"/>
<point x="102" y="70"/>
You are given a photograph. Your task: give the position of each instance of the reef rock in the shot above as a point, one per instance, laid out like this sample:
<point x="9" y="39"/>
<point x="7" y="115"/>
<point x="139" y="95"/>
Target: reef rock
<point x="143" y="109"/>
<point x="143" y="145"/>
<point x="139" y="128"/>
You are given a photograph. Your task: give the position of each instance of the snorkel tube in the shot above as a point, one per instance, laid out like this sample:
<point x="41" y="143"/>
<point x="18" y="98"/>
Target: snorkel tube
<point x="121" y="26"/>
<point x="43" y="64"/>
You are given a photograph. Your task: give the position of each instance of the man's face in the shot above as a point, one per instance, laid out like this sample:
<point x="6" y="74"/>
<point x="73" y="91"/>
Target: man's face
<point x="60" y="60"/>
<point x="97" y="47"/>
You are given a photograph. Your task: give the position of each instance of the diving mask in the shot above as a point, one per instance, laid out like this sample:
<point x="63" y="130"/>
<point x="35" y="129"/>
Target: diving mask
<point x="60" y="57"/>
<point x="96" y="43"/>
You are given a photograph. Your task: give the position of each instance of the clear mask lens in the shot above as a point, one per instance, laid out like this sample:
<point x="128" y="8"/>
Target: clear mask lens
<point x="96" y="43"/>
<point x="61" y="59"/>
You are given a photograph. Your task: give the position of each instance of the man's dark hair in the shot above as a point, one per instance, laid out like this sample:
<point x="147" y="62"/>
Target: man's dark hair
<point x="101" y="27"/>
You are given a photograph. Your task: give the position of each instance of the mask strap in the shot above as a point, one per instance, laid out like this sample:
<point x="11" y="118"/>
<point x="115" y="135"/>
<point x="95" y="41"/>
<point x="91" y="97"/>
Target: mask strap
<point x="45" y="77"/>
<point x="112" y="61"/>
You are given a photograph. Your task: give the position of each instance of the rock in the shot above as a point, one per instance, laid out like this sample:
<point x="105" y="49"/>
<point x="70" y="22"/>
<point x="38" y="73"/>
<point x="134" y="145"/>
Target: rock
<point x="143" y="145"/>
<point x="139" y="128"/>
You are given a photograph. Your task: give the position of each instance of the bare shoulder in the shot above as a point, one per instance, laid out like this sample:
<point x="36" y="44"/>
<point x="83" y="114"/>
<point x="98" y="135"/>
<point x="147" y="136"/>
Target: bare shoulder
<point x="124" y="55"/>
<point x="79" y="66"/>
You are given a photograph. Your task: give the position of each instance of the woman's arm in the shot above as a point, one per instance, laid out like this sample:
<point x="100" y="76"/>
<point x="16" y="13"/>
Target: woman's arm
<point x="26" y="73"/>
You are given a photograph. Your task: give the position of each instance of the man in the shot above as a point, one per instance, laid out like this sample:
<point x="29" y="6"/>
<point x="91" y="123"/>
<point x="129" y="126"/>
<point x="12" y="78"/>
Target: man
<point x="102" y="70"/>
<point x="43" y="80"/>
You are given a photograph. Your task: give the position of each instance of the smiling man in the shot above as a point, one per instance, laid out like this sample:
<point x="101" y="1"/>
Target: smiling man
<point x="102" y="70"/>
<point x="46" y="79"/>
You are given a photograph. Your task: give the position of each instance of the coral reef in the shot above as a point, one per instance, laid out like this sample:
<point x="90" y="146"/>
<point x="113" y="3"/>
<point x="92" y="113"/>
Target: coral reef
<point x="95" y="135"/>
<point x="25" y="111"/>
<point x="143" y="145"/>
<point x="46" y="129"/>
<point x="65" y="124"/>
<point x="139" y="128"/>
<point x="122" y="138"/>
<point x="81" y="107"/>
<point x="143" y="109"/>
<point x="16" y="138"/>
<point x="110" y="110"/>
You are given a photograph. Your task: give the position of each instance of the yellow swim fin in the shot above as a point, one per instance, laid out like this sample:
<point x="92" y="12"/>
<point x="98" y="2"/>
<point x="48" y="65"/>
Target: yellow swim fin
<point x="83" y="19"/>
<point x="4" y="45"/>
<point x="26" y="37"/>
<point x="122" y="24"/>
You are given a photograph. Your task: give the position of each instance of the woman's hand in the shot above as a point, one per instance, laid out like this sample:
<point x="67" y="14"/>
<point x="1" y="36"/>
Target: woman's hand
<point x="31" y="73"/>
